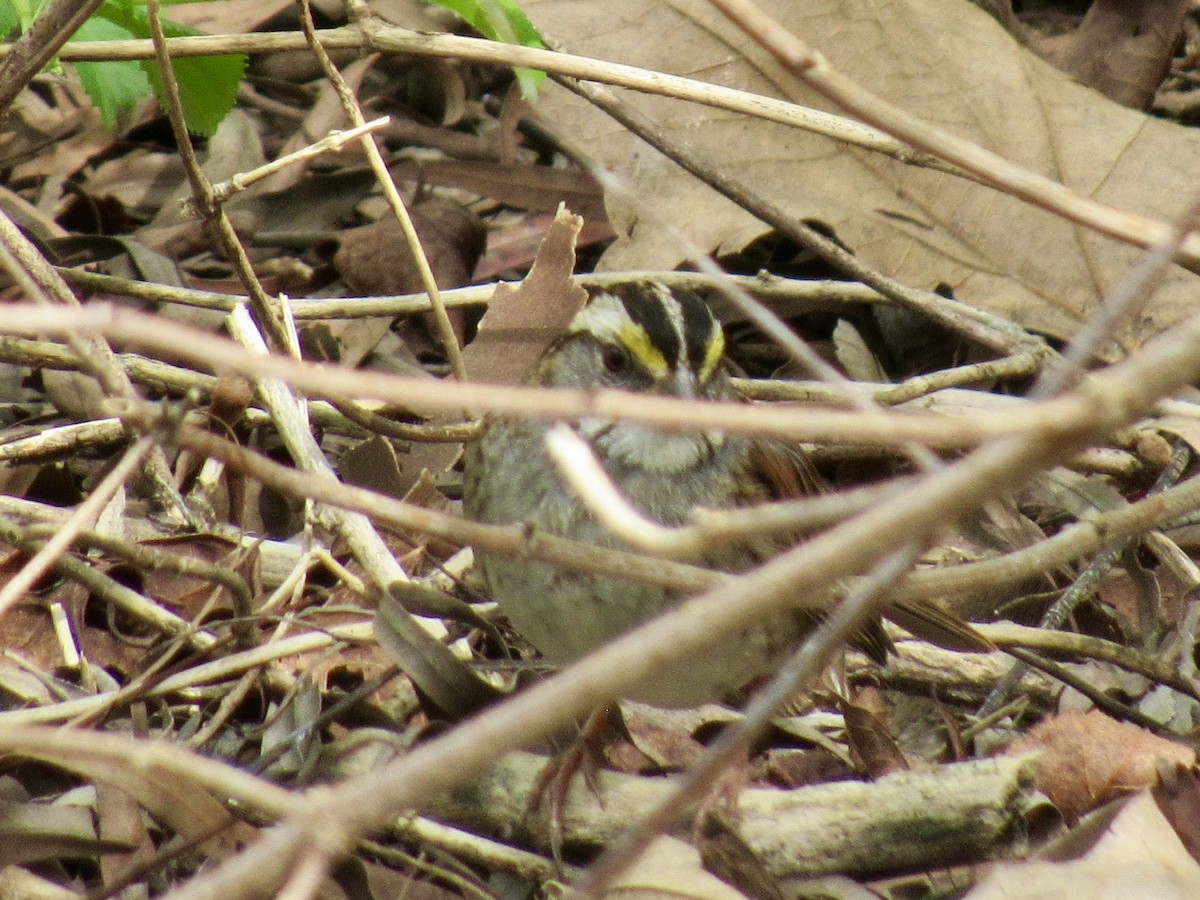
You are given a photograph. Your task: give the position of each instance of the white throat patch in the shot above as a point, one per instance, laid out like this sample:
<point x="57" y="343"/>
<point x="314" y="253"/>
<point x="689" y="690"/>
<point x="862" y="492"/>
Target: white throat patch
<point x="642" y="447"/>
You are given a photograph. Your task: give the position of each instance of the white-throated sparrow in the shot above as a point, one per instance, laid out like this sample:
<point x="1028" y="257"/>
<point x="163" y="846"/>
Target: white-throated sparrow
<point x="637" y="337"/>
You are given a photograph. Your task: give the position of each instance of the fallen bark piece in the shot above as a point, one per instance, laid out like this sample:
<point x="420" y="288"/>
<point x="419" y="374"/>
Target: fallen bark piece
<point x="949" y="815"/>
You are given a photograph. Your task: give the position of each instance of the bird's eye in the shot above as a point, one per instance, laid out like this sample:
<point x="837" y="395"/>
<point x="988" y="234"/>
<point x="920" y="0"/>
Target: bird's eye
<point x="615" y="358"/>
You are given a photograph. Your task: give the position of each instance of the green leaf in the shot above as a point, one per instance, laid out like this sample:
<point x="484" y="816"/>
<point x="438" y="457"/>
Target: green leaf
<point x="113" y="85"/>
<point x="207" y="84"/>
<point x="17" y="14"/>
<point x="9" y="17"/>
<point x="503" y="20"/>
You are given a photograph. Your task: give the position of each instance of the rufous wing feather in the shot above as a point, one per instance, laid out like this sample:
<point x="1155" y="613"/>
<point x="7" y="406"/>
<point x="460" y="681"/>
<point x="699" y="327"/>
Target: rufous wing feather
<point x="787" y="472"/>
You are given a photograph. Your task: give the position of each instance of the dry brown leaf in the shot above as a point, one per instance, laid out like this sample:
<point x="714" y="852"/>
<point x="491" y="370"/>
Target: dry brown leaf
<point x="76" y="395"/>
<point x="731" y="859"/>
<point x="1123" y="48"/>
<point x="140" y="180"/>
<point x="872" y="746"/>
<point x="325" y="114"/>
<point x="514" y="247"/>
<point x="942" y="60"/>
<point x="375" y="259"/>
<point x="385" y="882"/>
<point x="521" y="322"/>
<point x="28" y="632"/>
<point x="855" y="355"/>
<point x="1178" y="797"/>
<point x="227" y="16"/>
<point x="1120" y="592"/>
<point x="518" y="324"/>
<point x="120" y="820"/>
<point x="1090" y="759"/>
<point x="235" y="148"/>
<point x="50" y="140"/>
<point x="181" y="804"/>
<point x="529" y="187"/>
<point x="664" y="736"/>
<point x="1182" y="427"/>
<point x="44" y="831"/>
<point x="372" y="464"/>
<point x="16" y="882"/>
<point x="1136" y="854"/>
<point x="669" y="868"/>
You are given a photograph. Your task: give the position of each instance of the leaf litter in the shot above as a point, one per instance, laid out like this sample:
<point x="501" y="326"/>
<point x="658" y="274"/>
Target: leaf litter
<point x="143" y="633"/>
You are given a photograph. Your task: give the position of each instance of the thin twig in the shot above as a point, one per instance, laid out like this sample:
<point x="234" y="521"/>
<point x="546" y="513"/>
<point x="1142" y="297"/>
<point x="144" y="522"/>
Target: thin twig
<point x="991" y="331"/>
<point x="1071" y="645"/>
<point x="84" y="516"/>
<point x="799" y="672"/>
<point x="185" y="682"/>
<point x="350" y="105"/>
<point x="1071" y="543"/>
<point x="151" y="760"/>
<point x="986" y="167"/>
<point x="821" y="294"/>
<point x="453" y="47"/>
<point x="1086" y="583"/>
<point x="763" y="318"/>
<point x="62" y="440"/>
<point x="55" y="23"/>
<point x="1129" y="296"/>
<point x="202" y="192"/>
<point x="129" y="601"/>
<point x="990" y="168"/>
<point x="40" y="282"/>
<point x="577" y="464"/>
<point x="332" y="142"/>
<point x="1106" y="394"/>
<point x="584" y="474"/>
<point x="1080" y="682"/>
<point x="914" y="516"/>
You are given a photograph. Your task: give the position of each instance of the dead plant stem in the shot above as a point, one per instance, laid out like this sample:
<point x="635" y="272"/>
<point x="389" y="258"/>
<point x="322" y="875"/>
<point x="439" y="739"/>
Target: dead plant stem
<point x="353" y="112"/>
<point x="84" y="516"/>
<point x="197" y="348"/>
<point x="40" y="282"/>
<point x="202" y="191"/>
<point x="993" y="332"/>
<point x="811" y="67"/>
<point x="983" y="165"/>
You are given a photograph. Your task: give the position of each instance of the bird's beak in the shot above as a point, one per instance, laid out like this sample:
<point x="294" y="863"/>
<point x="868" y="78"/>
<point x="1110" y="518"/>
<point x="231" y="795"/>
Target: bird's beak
<point x="680" y="383"/>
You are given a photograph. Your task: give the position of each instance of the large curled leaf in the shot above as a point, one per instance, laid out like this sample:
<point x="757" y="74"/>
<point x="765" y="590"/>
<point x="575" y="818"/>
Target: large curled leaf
<point x="942" y="60"/>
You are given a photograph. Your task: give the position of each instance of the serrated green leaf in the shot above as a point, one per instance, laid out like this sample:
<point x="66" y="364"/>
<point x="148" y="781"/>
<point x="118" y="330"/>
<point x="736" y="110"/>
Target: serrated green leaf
<point x="207" y="84"/>
<point x="113" y="85"/>
<point x="523" y="30"/>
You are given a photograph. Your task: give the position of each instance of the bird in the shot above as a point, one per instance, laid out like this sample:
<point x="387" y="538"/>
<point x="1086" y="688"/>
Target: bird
<point x="645" y="336"/>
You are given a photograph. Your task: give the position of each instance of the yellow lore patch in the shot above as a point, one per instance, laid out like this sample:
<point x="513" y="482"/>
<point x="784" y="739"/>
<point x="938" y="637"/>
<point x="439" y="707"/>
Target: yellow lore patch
<point x="713" y="351"/>
<point x="635" y="339"/>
